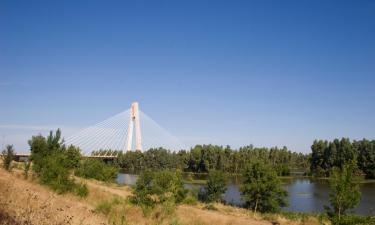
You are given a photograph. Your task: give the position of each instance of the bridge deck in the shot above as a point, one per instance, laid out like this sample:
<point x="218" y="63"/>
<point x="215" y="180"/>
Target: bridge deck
<point x="24" y="157"/>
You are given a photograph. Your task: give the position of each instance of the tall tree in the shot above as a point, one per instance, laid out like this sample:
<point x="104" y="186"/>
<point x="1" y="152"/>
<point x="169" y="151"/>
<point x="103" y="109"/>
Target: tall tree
<point x="366" y="156"/>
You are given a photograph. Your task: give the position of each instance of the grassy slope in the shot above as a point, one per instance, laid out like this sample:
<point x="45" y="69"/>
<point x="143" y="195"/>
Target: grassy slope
<point x="28" y="202"/>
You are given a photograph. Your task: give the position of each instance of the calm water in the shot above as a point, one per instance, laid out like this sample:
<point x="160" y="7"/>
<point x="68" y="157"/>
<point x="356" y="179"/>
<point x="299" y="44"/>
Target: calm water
<point x="304" y="194"/>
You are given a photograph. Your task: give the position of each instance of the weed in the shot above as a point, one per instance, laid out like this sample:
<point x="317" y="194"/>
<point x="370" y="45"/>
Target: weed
<point x="81" y="190"/>
<point x="210" y="207"/>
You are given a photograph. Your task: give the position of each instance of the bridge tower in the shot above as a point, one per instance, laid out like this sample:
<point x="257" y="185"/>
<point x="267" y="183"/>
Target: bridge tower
<point x="134" y="121"/>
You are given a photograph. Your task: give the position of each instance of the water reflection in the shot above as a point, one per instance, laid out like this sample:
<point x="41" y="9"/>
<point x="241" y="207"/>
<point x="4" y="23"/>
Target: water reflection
<point x="304" y="194"/>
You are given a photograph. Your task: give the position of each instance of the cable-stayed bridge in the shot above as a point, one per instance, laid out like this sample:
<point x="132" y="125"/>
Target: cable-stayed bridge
<point x="131" y="130"/>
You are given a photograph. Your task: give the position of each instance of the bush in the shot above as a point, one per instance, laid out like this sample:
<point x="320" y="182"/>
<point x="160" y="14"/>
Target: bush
<point x="216" y="185"/>
<point x="353" y="220"/>
<point x="158" y="187"/>
<point x="53" y="163"/>
<point x="8" y="155"/>
<point x="210" y="207"/>
<point x="261" y="189"/>
<point x="96" y="169"/>
<point x="105" y="207"/>
<point x="81" y="190"/>
<point x="54" y="174"/>
<point x="26" y="169"/>
<point x="191" y="197"/>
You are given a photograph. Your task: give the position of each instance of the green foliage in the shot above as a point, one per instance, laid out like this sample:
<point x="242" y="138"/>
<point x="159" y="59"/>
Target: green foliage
<point x="203" y="158"/>
<point x="191" y="197"/>
<point x="153" y="159"/>
<point x="261" y="189"/>
<point x="296" y="216"/>
<point x="81" y="190"/>
<point x="366" y="156"/>
<point x="39" y="151"/>
<point x="8" y="155"/>
<point x="345" y="193"/>
<point x="104" y="207"/>
<point x="190" y="200"/>
<point x="210" y="207"/>
<point x="54" y="174"/>
<point x="327" y="155"/>
<point x="158" y="187"/>
<point x="216" y="185"/>
<point x="53" y="163"/>
<point x="72" y="157"/>
<point x="353" y="220"/>
<point x="96" y="169"/>
<point x="26" y="169"/>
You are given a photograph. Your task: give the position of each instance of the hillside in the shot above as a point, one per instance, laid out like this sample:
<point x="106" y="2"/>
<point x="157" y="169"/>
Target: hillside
<point x="26" y="202"/>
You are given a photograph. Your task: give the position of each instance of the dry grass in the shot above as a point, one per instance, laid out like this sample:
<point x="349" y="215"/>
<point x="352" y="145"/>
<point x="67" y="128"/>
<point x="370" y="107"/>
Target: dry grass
<point x="30" y="203"/>
<point x="27" y="202"/>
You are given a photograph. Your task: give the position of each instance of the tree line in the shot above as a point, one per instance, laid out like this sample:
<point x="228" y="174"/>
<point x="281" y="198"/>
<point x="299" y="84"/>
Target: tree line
<point x="327" y="155"/>
<point x="203" y="158"/>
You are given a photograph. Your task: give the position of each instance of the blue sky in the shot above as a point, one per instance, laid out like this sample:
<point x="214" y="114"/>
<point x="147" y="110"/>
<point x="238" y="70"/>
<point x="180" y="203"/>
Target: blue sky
<point x="268" y="73"/>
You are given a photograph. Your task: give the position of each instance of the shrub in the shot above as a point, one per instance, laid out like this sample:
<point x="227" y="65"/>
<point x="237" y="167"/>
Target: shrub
<point x="210" y="207"/>
<point x="158" y="187"/>
<point x="105" y="207"/>
<point x="8" y="155"/>
<point x="353" y="219"/>
<point x="81" y="190"/>
<point x="26" y="169"/>
<point x="261" y="189"/>
<point x="53" y="163"/>
<point x="54" y="174"/>
<point x="72" y="157"/>
<point x="190" y="200"/>
<point x="96" y="169"/>
<point x="216" y="185"/>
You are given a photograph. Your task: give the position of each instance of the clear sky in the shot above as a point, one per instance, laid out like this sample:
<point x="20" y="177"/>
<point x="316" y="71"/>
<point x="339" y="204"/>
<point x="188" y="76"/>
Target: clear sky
<point x="268" y="73"/>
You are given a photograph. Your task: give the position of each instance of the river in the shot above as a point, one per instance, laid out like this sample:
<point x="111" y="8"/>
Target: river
<point x="304" y="194"/>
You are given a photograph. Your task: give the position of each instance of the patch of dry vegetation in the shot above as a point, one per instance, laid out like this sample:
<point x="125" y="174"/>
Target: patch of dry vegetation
<point x="31" y="203"/>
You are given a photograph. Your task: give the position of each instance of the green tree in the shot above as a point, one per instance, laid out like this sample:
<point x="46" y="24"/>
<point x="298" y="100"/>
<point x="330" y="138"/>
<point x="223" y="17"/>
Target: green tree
<point x="216" y="185"/>
<point x="317" y="164"/>
<point x="8" y="156"/>
<point x="53" y="163"/>
<point x="39" y="152"/>
<point x="158" y="187"/>
<point x="345" y="193"/>
<point x="366" y="156"/>
<point x="55" y="174"/>
<point x="96" y="169"/>
<point x="261" y="189"/>
<point x="72" y="157"/>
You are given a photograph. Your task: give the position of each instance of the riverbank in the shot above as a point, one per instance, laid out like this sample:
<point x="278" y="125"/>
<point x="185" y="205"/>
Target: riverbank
<point x="199" y="178"/>
<point x="305" y="195"/>
<point x="27" y="202"/>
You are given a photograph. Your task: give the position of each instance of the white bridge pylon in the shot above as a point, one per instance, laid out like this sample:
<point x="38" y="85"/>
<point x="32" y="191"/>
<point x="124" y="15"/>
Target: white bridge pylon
<point x="116" y="134"/>
<point x="134" y="118"/>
